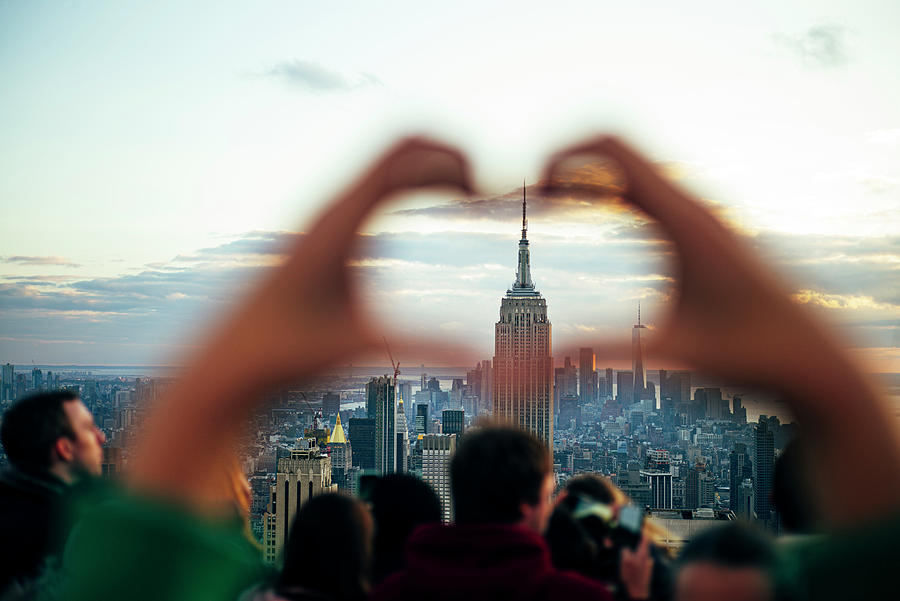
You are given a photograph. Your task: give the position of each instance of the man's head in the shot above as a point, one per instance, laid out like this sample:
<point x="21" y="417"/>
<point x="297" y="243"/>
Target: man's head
<point x="501" y="475"/>
<point x="52" y="432"/>
<point x="733" y="561"/>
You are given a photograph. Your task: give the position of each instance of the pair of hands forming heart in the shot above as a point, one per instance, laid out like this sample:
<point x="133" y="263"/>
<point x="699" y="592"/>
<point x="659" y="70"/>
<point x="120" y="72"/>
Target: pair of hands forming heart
<point x="307" y="315"/>
<point x="732" y="318"/>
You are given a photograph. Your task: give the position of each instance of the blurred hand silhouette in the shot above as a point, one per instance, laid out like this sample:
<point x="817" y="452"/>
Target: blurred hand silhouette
<point x="306" y="314"/>
<point x="302" y="317"/>
<point x="725" y="298"/>
<point x="733" y="318"/>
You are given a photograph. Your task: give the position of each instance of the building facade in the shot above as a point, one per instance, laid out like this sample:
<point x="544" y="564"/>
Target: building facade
<point x="523" y="364"/>
<point x="380" y="405"/>
<point x="586" y="390"/>
<point x="304" y="474"/>
<point x="437" y="450"/>
<point x="765" y="466"/>
<point x="453" y="421"/>
<point x="341" y="455"/>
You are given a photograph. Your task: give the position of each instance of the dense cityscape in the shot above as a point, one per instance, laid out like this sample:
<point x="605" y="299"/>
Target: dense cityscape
<point x="684" y="453"/>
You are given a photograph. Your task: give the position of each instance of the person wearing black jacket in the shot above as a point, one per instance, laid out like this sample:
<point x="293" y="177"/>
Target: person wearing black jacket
<point x="52" y="443"/>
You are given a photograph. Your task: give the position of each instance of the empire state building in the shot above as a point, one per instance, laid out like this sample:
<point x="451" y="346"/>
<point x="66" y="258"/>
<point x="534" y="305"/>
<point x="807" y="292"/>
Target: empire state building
<point x="523" y="366"/>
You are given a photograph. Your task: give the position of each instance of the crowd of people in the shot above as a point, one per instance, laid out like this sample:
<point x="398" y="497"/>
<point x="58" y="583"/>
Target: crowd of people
<point x="176" y="527"/>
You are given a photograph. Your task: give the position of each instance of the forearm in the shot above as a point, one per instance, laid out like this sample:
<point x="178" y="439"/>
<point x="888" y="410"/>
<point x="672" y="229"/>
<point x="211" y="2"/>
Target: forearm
<point x="853" y="435"/>
<point x="192" y="430"/>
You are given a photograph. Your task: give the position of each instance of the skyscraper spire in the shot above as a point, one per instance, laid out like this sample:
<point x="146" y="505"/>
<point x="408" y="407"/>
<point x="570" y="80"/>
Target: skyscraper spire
<point x="522" y="369"/>
<point x="523" y="283"/>
<point x="637" y="360"/>
<point x="524" y="220"/>
<point x="337" y="435"/>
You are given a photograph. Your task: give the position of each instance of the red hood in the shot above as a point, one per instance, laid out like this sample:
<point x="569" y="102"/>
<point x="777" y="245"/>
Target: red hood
<point x="478" y="555"/>
<point x="470" y="562"/>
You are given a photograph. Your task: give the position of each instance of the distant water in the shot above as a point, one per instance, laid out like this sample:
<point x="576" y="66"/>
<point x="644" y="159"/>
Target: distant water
<point x="107" y="371"/>
<point x="757" y="403"/>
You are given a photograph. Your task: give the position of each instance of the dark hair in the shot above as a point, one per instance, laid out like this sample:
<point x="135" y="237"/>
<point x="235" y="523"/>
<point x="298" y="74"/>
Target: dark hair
<point x="735" y="545"/>
<point x="328" y="549"/>
<point x="591" y="486"/>
<point x="495" y="470"/>
<point x="400" y="503"/>
<point x="32" y="425"/>
<point x="577" y="544"/>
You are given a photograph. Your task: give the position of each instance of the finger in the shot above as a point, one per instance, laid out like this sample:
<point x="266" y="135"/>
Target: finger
<point x="684" y="218"/>
<point x="412" y="163"/>
<point x="643" y="549"/>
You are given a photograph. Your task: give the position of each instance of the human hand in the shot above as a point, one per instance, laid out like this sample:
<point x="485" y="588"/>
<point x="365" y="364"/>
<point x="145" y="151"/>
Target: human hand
<point x="733" y="318"/>
<point x="636" y="570"/>
<point x="303" y="316"/>
<point x="306" y="314"/>
<point x="725" y="298"/>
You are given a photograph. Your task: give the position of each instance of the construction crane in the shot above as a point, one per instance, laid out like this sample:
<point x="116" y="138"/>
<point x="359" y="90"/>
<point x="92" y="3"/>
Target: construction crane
<point x="317" y="414"/>
<point x="393" y="363"/>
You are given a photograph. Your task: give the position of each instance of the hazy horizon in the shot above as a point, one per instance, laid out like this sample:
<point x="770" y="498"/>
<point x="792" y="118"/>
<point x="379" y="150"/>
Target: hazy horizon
<point x="158" y="158"/>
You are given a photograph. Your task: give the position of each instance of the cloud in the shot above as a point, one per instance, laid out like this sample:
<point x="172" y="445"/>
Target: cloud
<point x="313" y="77"/>
<point x="261" y="248"/>
<point x="421" y="280"/>
<point x="821" y="45"/>
<point x="585" y="192"/>
<point x="583" y="188"/>
<point x="885" y="137"/>
<point x="841" y="301"/>
<point x="840" y="265"/>
<point x="22" y="260"/>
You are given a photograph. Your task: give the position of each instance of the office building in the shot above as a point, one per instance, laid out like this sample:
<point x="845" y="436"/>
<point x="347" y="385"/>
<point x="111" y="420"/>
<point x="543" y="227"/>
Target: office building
<point x="8" y="383"/>
<point x="658" y="473"/>
<point x="380" y="405"/>
<point x="745" y="500"/>
<point x="523" y="365"/>
<point x="341" y="455"/>
<point x="765" y="465"/>
<point x="37" y="379"/>
<point x="401" y="443"/>
<point x="586" y="391"/>
<point x="453" y="421"/>
<point x="740" y="469"/>
<point x="437" y="450"/>
<point x="569" y="411"/>
<point x="565" y="382"/>
<point x="625" y="387"/>
<point x="362" y="437"/>
<point x="304" y="474"/>
<point x="486" y="404"/>
<point x="421" y="418"/>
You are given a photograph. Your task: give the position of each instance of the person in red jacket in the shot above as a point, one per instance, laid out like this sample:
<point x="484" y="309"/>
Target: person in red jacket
<point x="502" y="484"/>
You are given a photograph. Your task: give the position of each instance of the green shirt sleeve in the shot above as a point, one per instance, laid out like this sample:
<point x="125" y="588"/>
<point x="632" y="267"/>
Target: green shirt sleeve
<point x="858" y="563"/>
<point x="127" y="547"/>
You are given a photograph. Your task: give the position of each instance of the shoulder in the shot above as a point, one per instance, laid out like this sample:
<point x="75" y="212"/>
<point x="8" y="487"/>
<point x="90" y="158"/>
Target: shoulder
<point x="392" y="587"/>
<point x="570" y="585"/>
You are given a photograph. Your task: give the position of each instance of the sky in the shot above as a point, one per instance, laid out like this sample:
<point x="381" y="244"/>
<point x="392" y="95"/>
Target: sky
<point x="155" y="157"/>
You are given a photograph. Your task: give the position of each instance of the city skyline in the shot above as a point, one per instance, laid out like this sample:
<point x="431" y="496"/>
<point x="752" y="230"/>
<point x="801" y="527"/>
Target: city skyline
<point x="149" y="179"/>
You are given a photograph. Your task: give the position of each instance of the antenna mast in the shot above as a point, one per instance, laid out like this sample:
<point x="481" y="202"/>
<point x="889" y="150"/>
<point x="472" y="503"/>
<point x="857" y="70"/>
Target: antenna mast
<point x="524" y="203"/>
